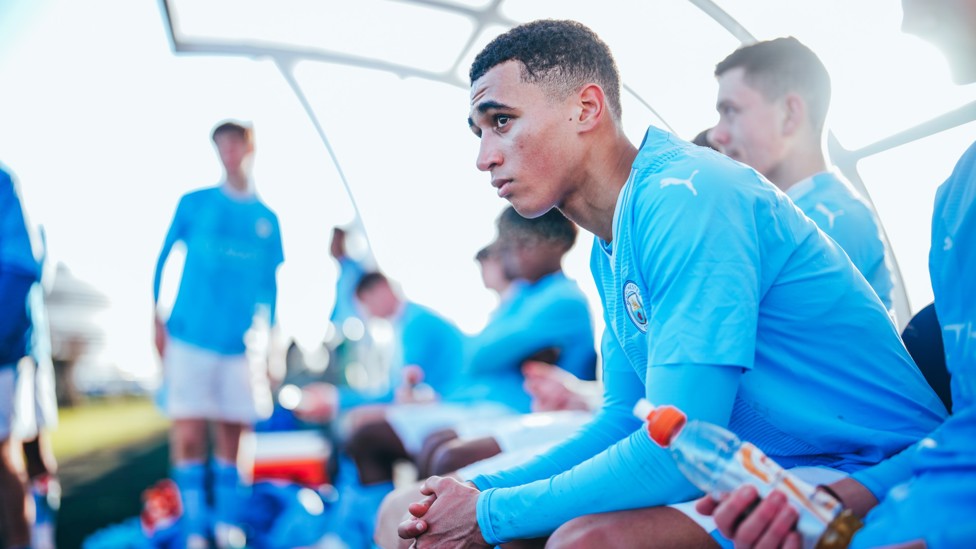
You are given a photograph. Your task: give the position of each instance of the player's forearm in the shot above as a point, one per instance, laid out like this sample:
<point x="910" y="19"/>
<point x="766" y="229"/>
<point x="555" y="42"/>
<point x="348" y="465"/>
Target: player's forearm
<point x="895" y="470"/>
<point x="633" y="473"/>
<point x="608" y="427"/>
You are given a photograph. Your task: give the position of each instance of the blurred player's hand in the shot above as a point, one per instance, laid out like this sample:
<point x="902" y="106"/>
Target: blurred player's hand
<point x="319" y="403"/>
<point x="552" y="388"/>
<point x="160" y="336"/>
<point x="413" y="389"/>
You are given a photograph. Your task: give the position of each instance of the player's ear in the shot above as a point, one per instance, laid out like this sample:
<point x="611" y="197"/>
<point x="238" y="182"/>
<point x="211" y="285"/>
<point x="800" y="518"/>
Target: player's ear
<point x="795" y="113"/>
<point x="591" y="107"/>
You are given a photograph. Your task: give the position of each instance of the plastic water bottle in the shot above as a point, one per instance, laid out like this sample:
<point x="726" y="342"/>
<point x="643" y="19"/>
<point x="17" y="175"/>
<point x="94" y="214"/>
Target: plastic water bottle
<point x="717" y="462"/>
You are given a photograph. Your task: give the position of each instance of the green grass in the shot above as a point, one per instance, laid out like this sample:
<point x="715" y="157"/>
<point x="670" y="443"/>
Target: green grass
<point x="101" y="424"/>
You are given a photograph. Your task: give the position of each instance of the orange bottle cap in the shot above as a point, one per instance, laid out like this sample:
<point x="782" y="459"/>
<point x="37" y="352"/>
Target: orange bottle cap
<point x="664" y="423"/>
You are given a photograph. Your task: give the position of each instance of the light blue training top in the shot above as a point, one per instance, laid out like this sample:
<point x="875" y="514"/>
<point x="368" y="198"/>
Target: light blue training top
<point x="19" y="270"/>
<point x="839" y="211"/>
<point x="550" y="313"/>
<point x="952" y="260"/>
<point x="233" y="249"/>
<point x="422" y="338"/>
<point x="723" y="299"/>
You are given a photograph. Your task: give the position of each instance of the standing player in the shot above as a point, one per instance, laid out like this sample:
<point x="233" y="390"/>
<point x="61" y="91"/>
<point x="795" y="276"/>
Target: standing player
<point x="39" y="458"/>
<point x="719" y="296"/>
<point x="233" y="250"/>
<point x="19" y="272"/>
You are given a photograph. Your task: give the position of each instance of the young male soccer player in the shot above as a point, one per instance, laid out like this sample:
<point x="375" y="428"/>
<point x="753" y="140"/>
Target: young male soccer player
<point x="720" y="298"/>
<point x="233" y="250"/>
<point x="772" y="103"/>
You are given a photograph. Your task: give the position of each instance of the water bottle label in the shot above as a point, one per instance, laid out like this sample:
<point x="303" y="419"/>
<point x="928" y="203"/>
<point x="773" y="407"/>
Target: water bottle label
<point x="816" y="507"/>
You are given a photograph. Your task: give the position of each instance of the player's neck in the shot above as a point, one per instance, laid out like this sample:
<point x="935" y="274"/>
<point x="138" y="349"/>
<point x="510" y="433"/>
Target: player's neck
<point x="239" y="182"/>
<point x="798" y="167"/>
<point x="593" y="204"/>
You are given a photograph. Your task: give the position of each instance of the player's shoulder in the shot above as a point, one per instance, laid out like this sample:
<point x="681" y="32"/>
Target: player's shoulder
<point x="670" y="169"/>
<point x="200" y="195"/>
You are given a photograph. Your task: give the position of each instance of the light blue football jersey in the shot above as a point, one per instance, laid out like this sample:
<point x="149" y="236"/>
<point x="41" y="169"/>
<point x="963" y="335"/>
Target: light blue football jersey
<point x="551" y="313"/>
<point x="839" y="211"/>
<point x="233" y="250"/>
<point x="711" y="266"/>
<point x="938" y="503"/>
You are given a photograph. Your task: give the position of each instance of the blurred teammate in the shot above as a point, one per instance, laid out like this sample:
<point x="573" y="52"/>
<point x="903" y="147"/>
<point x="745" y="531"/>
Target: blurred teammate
<point x="41" y="464"/>
<point x="19" y="273"/>
<point x="773" y="98"/>
<point x="228" y="286"/>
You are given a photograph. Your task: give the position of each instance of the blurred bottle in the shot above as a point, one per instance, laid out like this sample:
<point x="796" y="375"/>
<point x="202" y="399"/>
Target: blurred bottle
<point x="717" y="462"/>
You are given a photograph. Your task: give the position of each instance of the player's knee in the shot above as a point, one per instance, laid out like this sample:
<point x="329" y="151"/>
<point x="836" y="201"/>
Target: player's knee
<point x="442" y="460"/>
<point x="360" y="441"/>
<point x="460" y="453"/>
<point x="582" y="532"/>
<point x="188" y="448"/>
<point x="449" y="458"/>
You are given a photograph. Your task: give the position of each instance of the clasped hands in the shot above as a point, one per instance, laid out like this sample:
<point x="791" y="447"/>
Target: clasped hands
<point x="446" y="517"/>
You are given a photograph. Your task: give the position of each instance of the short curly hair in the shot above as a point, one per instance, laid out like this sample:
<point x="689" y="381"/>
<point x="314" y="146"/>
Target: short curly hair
<point x="560" y="56"/>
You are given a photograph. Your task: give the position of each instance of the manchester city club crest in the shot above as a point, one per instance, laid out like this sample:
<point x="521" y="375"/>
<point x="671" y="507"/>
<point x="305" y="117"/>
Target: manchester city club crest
<point x="263" y="228"/>
<point x="634" y="304"/>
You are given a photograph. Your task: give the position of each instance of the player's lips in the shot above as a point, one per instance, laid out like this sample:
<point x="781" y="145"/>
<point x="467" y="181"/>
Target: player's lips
<point x="503" y="186"/>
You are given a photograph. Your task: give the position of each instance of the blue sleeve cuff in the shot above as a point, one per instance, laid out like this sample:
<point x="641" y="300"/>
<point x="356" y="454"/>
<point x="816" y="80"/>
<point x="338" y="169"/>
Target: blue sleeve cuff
<point x="484" y="517"/>
<point x="481" y="482"/>
<point x="884" y="476"/>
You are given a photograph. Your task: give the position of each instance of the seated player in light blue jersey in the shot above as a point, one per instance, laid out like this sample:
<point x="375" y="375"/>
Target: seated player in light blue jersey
<point x="19" y="272"/>
<point x="718" y="295"/>
<point x="773" y="98"/>
<point x="423" y="339"/>
<point x="544" y="310"/>
<point x="425" y="345"/>
<point x="228" y="286"/>
<point x="927" y="493"/>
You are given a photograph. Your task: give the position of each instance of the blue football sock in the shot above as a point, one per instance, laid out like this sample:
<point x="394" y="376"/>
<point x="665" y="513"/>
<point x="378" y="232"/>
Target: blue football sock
<point x="189" y="477"/>
<point x="227" y="491"/>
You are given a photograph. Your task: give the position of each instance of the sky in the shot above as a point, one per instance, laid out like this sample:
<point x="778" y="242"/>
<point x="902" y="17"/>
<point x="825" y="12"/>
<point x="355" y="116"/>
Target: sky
<point x="105" y="128"/>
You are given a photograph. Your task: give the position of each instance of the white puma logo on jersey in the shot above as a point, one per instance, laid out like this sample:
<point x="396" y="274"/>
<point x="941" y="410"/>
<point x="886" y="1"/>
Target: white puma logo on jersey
<point x="831" y="216"/>
<point x="947" y="244"/>
<point x="669" y="181"/>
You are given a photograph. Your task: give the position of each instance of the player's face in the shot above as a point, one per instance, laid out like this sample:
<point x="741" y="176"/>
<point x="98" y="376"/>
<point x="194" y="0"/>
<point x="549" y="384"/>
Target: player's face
<point x="950" y="25"/>
<point x="526" y="137"/>
<point x="379" y="301"/>
<point x="749" y="126"/>
<point x="233" y="150"/>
